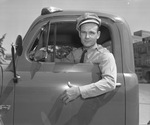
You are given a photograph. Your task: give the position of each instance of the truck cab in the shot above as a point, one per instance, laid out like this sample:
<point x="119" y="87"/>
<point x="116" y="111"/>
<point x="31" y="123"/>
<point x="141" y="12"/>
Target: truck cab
<point x="31" y="85"/>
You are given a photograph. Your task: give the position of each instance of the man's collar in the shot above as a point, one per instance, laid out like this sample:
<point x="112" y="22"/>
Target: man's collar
<point x="96" y="46"/>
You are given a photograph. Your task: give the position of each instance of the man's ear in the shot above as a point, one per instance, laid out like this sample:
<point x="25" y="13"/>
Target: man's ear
<point x="99" y="34"/>
<point x="79" y="33"/>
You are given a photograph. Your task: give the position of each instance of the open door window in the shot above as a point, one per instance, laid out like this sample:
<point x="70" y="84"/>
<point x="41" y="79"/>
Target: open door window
<point x="55" y="41"/>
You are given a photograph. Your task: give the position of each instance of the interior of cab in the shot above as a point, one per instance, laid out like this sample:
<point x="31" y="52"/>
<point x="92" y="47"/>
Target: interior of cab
<point x="62" y="39"/>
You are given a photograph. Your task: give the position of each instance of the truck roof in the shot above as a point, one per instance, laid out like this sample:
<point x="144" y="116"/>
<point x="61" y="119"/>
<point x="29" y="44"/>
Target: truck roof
<point x="45" y="13"/>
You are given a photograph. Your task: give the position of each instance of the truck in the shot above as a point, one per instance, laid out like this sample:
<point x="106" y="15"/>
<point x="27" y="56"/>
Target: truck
<point x="32" y="83"/>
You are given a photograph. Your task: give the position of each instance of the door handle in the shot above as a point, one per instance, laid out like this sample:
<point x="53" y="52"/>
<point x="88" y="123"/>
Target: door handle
<point x="18" y="76"/>
<point x="118" y="84"/>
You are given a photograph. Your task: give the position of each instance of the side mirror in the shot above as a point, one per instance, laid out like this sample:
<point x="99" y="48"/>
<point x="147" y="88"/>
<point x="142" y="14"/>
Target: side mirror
<point x="18" y="45"/>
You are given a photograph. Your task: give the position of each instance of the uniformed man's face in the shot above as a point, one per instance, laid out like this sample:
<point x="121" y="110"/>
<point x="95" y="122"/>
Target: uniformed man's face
<point x="89" y="34"/>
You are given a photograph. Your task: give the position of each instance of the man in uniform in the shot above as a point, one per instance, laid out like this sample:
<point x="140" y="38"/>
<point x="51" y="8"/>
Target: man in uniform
<point x="88" y="28"/>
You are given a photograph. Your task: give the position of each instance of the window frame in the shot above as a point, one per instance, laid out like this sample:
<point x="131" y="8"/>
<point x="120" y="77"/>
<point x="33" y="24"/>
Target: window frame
<point x="53" y="21"/>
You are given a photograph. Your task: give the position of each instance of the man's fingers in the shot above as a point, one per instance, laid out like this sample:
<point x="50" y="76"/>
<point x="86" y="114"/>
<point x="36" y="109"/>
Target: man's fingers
<point x="68" y="100"/>
<point x="70" y="94"/>
<point x="71" y="85"/>
<point x="62" y="96"/>
<point x="65" y="98"/>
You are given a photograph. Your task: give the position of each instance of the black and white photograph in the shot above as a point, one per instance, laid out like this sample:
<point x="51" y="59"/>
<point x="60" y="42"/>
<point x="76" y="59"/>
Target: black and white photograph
<point x="74" y="62"/>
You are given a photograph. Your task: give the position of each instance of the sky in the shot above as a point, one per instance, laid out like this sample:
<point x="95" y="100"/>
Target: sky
<point x="16" y="16"/>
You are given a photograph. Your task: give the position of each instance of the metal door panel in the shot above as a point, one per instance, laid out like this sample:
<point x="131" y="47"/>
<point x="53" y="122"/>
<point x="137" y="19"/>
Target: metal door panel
<point x="38" y="99"/>
<point x="6" y="99"/>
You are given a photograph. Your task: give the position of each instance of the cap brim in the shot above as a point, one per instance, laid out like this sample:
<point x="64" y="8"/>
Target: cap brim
<point x="89" y="21"/>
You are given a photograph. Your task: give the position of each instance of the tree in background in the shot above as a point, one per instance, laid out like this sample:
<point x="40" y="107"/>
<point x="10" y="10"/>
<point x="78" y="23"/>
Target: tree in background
<point x="2" y="50"/>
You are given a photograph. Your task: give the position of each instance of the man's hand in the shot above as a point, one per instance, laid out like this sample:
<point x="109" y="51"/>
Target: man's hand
<point x="70" y="94"/>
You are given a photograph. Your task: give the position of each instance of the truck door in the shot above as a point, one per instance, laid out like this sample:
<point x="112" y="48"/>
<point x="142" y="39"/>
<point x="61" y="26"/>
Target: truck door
<point x="44" y="76"/>
<point x="6" y="97"/>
